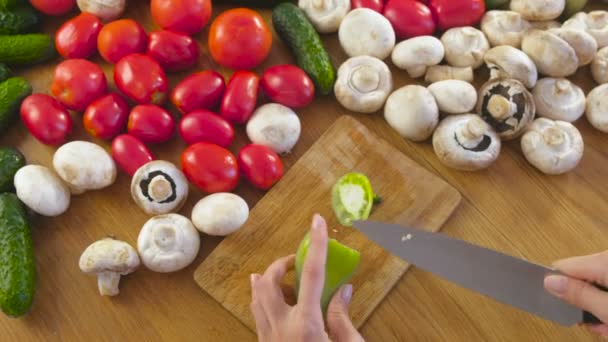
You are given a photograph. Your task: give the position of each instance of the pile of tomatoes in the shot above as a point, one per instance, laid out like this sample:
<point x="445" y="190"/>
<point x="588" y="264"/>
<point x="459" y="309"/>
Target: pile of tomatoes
<point x="238" y="39"/>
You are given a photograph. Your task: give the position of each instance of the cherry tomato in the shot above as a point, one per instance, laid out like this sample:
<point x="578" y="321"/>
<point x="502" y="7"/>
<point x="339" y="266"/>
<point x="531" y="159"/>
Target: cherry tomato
<point x="239" y="39"/>
<point x="457" y="13"/>
<point x="202" y="90"/>
<point x="130" y="153"/>
<point x="375" y="5"/>
<point x="151" y="124"/>
<point x="409" y="18"/>
<point x="241" y="97"/>
<point x="186" y="16"/>
<point x="121" y="38"/>
<point x="106" y="117"/>
<point x="141" y="78"/>
<point x="210" y="167"/>
<point x="174" y="51"/>
<point x="53" y="7"/>
<point x="203" y="125"/>
<point x="77" y="83"/>
<point x="77" y="37"/>
<point x="46" y="119"/>
<point x="260" y="165"/>
<point x="288" y="85"/>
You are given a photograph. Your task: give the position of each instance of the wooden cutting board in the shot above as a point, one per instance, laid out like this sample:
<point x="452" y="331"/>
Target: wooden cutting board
<point x="411" y="195"/>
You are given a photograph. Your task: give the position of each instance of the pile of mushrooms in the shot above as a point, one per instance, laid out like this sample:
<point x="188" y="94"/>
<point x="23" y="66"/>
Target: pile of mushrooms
<point x="454" y="96"/>
<point x="363" y="84"/>
<point x="595" y="23"/>
<point x="415" y="55"/>
<point x="504" y="28"/>
<point x="559" y="99"/>
<point x="325" y="15"/>
<point x="412" y="111"/>
<point x="465" y="46"/>
<point x="364" y="32"/>
<point x="597" y="107"/>
<point x="106" y="10"/>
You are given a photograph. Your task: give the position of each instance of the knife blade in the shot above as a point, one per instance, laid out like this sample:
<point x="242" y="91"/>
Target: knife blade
<point x="507" y="279"/>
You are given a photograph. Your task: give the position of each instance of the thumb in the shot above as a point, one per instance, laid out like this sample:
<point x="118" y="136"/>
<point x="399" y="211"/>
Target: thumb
<point x="580" y="294"/>
<point x="338" y="321"/>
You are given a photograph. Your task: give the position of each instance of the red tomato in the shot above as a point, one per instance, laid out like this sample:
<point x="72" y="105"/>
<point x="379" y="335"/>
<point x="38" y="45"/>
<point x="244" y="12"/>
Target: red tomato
<point x="288" y="85"/>
<point x="46" y="119"/>
<point x="77" y="83"/>
<point x="53" y="7"/>
<point x="130" y="153"/>
<point x="241" y="97"/>
<point x="375" y="5"/>
<point x="121" y="38"/>
<point x="106" y="117"/>
<point x="203" y="125"/>
<point x="186" y="16"/>
<point x="210" y="167"/>
<point x="409" y="18"/>
<point x="239" y="39"/>
<point x="141" y="78"/>
<point x="457" y="13"/>
<point x="260" y="165"/>
<point x="151" y="124"/>
<point x="174" y="51"/>
<point x="202" y="90"/>
<point x="77" y="37"/>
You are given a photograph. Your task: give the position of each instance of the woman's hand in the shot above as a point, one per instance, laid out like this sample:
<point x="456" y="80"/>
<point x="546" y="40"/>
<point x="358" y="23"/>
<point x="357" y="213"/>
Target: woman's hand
<point x="277" y="321"/>
<point x="577" y="289"/>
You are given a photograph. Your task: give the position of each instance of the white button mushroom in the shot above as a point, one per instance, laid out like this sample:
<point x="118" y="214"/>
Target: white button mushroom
<point x="414" y="55"/>
<point x="106" y="10"/>
<point x="597" y="108"/>
<point x="507" y="61"/>
<point x="507" y="106"/>
<point x="363" y="84"/>
<point x="412" y="112"/>
<point x="465" y="46"/>
<point x="538" y="9"/>
<point x="454" y="96"/>
<point x="436" y="73"/>
<point x="552" y="55"/>
<point x="559" y="99"/>
<point x="275" y="126"/>
<point x="595" y="23"/>
<point x="553" y="147"/>
<point x="325" y="15"/>
<point x="364" y="32"/>
<point x="168" y="243"/>
<point x="504" y="27"/>
<point x="220" y="214"/>
<point x="41" y="190"/>
<point x="159" y="187"/>
<point x="109" y="259"/>
<point x="466" y="142"/>
<point x="84" y="166"/>
<point x="599" y="66"/>
<point x="583" y="43"/>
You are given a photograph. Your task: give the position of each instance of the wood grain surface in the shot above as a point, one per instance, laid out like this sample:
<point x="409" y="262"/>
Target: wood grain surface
<point x="510" y="207"/>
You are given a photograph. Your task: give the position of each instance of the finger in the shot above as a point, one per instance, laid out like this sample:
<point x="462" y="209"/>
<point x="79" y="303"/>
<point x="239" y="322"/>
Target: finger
<point x="601" y="329"/>
<point x="589" y="267"/>
<point x="269" y="287"/>
<point x="580" y="294"/>
<point x="277" y="270"/>
<point x="339" y="325"/>
<point x="313" y="271"/>
<point x="261" y="320"/>
<point x="289" y="294"/>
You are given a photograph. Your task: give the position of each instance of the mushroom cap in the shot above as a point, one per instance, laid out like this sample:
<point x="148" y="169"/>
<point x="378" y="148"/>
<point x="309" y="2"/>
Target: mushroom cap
<point x="466" y="142"/>
<point x="594" y="22"/>
<point x="597" y="108"/>
<point x="507" y="106"/>
<point x="109" y="255"/>
<point x="366" y="32"/>
<point x="583" y="43"/>
<point x="325" y="15"/>
<point x="168" y="243"/>
<point x="539" y="9"/>
<point x="559" y="99"/>
<point x="84" y="166"/>
<point x="507" y="61"/>
<point x="106" y="10"/>
<point x="553" y="147"/>
<point x="436" y="73"/>
<point x="416" y="54"/>
<point x="412" y="112"/>
<point x="41" y="190"/>
<point x="159" y="187"/>
<point x="220" y="214"/>
<point x="454" y="96"/>
<point x="275" y="126"/>
<point x="599" y="66"/>
<point x="545" y="24"/>
<point x="504" y="27"/>
<point x="363" y="84"/>
<point x="552" y="55"/>
<point x="465" y="46"/>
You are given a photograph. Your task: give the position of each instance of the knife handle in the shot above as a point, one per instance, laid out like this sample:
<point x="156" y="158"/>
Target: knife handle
<point x="589" y="318"/>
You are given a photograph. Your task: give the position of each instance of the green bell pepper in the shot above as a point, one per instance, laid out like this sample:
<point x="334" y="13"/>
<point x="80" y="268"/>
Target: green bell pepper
<point x="353" y="198"/>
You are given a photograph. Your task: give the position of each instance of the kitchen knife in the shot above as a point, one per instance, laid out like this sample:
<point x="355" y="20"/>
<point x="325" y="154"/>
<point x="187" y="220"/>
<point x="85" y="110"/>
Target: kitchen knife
<point x="509" y="280"/>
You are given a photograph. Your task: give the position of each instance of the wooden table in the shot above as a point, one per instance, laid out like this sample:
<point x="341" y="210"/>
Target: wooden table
<point x="510" y="207"/>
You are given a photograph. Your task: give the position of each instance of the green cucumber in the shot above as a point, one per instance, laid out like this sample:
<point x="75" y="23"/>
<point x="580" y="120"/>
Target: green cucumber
<point x="5" y="72"/>
<point x="20" y="20"/>
<point x="297" y="32"/>
<point x="26" y="49"/>
<point x="17" y="266"/>
<point x="11" y="160"/>
<point x="12" y="92"/>
<point x="8" y="4"/>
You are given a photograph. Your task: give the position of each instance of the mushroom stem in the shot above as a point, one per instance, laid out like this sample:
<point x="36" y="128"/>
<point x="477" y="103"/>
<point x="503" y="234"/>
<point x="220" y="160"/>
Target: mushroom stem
<point x="474" y="129"/>
<point x="319" y="4"/>
<point x="365" y="79"/>
<point x="500" y="107"/>
<point x="553" y="136"/>
<point x="416" y="71"/>
<point x="159" y="188"/>
<point x="562" y="85"/>
<point x="108" y="283"/>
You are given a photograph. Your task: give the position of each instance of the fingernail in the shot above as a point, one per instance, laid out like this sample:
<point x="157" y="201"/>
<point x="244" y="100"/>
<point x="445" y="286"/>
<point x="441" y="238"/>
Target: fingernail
<point x="317" y="222"/>
<point x="556" y="284"/>
<point x="254" y="277"/>
<point x="347" y="293"/>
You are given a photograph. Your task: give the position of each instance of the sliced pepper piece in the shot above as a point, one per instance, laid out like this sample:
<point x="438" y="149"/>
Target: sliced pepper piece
<point x="353" y="198"/>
